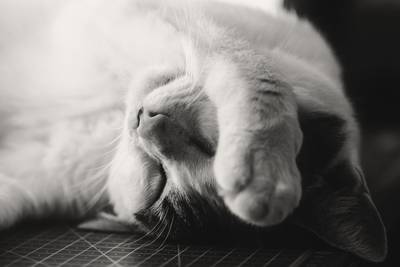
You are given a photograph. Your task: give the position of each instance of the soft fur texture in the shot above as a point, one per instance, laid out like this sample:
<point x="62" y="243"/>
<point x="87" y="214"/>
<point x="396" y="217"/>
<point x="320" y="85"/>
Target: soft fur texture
<point x="181" y="114"/>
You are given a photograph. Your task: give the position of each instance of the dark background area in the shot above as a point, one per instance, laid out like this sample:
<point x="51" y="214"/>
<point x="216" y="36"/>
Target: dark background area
<point x="365" y="35"/>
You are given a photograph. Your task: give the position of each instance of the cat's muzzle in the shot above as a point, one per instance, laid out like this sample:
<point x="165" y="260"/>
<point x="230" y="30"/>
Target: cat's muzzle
<point x="169" y="138"/>
<point x="164" y="135"/>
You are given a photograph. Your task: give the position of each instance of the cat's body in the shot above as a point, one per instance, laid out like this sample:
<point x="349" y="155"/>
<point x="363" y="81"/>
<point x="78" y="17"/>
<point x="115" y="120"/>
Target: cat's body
<point x="118" y="100"/>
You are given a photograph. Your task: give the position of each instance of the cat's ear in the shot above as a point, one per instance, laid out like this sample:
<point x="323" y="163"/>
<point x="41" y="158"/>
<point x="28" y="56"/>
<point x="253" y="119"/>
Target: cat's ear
<point x="344" y="216"/>
<point x="336" y="203"/>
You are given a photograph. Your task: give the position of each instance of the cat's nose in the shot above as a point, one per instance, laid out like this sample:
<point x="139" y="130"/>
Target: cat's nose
<point x="161" y="131"/>
<point x="151" y="123"/>
<point x="144" y="115"/>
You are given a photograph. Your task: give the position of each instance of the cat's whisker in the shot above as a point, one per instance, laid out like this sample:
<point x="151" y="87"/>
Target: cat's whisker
<point x="152" y="230"/>
<point x="95" y="187"/>
<point x="147" y="234"/>
<point x="96" y="199"/>
<point x="164" y="227"/>
<point x="87" y="184"/>
<point x="164" y="219"/>
<point x="117" y="138"/>
<point x="158" y="234"/>
<point x="96" y="182"/>
<point x="103" y="167"/>
<point x="99" y="173"/>
<point x="169" y="232"/>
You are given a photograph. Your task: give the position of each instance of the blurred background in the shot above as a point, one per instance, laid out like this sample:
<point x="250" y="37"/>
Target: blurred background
<point x="365" y="35"/>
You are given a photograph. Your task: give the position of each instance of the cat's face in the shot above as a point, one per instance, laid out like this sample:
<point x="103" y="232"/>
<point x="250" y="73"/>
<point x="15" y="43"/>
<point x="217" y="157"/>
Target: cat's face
<point x="163" y="178"/>
<point x="163" y="170"/>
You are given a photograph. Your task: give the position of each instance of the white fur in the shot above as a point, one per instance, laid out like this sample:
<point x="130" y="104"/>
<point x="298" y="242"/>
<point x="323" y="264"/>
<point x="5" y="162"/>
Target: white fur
<point x="67" y="68"/>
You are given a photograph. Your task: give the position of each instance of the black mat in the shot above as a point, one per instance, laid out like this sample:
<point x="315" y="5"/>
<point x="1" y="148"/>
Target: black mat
<point x="67" y="246"/>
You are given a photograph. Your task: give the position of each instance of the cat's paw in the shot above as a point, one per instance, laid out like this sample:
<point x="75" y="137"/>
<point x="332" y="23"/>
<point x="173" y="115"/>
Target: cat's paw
<point x="257" y="174"/>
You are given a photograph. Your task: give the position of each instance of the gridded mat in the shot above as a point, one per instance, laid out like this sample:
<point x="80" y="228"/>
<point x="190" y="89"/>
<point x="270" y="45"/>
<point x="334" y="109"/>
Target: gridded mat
<point x="67" y="246"/>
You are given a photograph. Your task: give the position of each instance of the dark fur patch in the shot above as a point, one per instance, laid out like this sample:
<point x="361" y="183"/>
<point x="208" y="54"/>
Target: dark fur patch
<point x="324" y="135"/>
<point x="190" y="216"/>
<point x="336" y="204"/>
<point x="198" y="219"/>
<point x="339" y="210"/>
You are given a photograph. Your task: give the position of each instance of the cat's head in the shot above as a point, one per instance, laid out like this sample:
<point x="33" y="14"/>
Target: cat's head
<point x="162" y="173"/>
<point x="162" y="176"/>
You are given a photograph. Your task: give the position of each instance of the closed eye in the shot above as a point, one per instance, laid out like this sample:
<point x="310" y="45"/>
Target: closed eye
<point x="203" y="145"/>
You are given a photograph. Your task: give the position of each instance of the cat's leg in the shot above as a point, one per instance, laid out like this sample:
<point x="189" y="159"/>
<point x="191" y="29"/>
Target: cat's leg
<point x="259" y="139"/>
<point x="22" y="199"/>
<point x="64" y="176"/>
<point x="61" y="186"/>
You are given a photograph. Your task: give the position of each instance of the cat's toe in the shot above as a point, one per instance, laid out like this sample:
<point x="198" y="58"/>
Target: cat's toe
<point x="232" y="177"/>
<point x="262" y="207"/>
<point x="258" y="187"/>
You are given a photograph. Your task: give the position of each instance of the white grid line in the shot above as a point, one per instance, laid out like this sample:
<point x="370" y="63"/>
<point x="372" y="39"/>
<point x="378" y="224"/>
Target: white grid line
<point x="301" y="259"/>
<point x="21" y="256"/>
<point x="222" y="258"/>
<point x="33" y="251"/>
<point x="26" y="241"/>
<point x="136" y="249"/>
<point x="141" y="246"/>
<point x="178" y="255"/>
<point x="83" y="251"/>
<point x="169" y="253"/>
<point x="58" y="251"/>
<point x="149" y="257"/>
<point x="116" y="246"/>
<point x="248" y="258"/>
<point x="273" y="258"/>
<point x="98" y="250"/>
<point x="198" y="257"/>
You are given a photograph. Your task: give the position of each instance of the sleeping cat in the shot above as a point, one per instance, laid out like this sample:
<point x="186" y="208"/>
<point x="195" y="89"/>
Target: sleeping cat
<point x="183" y="116"/>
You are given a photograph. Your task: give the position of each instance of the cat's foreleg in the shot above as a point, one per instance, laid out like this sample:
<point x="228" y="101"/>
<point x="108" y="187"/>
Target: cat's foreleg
<point x="22" y="199"/>
<point x="259" y="139"/>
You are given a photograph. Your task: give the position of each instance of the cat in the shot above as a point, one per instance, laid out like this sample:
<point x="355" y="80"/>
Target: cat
<point x="182" y="116"/>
